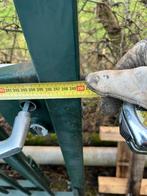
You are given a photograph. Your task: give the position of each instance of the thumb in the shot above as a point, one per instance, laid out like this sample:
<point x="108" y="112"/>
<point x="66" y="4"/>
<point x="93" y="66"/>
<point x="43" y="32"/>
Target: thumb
<point x="128" y="85"/>
<point x="135" y="57"/>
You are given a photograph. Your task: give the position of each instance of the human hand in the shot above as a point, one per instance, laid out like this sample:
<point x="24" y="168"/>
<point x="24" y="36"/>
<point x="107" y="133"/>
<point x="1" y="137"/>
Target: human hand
<point x="128" y="82"/>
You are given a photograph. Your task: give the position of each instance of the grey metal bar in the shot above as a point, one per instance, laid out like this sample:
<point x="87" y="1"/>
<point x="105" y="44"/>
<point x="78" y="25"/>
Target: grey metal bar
<point x="13" y="183"/>
<point x="22" y="166"/>
<point x="20" y="163"/>
<point x="37" y="193"/>
<point x="29" y="185"/>
<point x="3" y="190"/>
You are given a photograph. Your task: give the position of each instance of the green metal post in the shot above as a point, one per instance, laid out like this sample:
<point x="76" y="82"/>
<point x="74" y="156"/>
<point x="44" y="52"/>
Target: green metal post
<point x="50" y="29"/>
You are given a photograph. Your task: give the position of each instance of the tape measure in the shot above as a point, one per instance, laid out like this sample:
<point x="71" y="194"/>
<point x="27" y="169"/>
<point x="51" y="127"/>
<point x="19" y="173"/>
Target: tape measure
<point x="49" y="90"/>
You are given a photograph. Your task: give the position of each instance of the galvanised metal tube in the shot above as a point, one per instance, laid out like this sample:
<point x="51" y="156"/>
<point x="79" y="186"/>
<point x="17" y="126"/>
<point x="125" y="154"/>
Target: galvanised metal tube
<point x="93" y="156"/>
<point x="13" y="183"/>
<point x="19" y="163"/>
<point x="3" y="190"/>
<point x="52" y="155"/>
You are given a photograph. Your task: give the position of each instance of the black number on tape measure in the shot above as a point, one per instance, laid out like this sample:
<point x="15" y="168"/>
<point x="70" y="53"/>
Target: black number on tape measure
<point x="39" y="89"/>
<point x="24" y="90"/>
<point x="32" y="89"/>
<point x="72" y="88"/>
<point x="16" y="90"/>
<point x="56" y="88"/>
<point x="48" y="89"/>
<point x="65" y="88"/>
<point x="8" y="90"/>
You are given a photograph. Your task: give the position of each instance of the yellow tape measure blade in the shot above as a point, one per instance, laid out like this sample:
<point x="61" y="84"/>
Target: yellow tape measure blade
<point x="49" y="90"/>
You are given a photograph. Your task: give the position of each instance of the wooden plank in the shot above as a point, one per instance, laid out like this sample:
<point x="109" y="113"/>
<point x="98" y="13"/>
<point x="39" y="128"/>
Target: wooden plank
<point x="123" y="160"/>
<point x="115" y="185"/>
<point x="112" y="185"/>
<point x="129" y="165"/>
<point x="136" y="170"/>
<point x="110" y="134"/>
<point x="143" y="190"/>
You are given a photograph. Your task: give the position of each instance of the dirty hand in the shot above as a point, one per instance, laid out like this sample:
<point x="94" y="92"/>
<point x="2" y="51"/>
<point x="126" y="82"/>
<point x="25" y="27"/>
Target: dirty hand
<point x="127" y="83"/>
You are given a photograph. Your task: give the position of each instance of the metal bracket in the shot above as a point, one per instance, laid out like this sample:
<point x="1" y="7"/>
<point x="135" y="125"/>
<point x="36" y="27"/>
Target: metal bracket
<point x="132" y="130"/>
<point x="15" y="142"/>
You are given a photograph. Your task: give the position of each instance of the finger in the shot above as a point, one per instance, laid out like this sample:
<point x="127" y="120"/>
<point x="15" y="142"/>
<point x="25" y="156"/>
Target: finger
<point x="135" y="57"/>
<point x="110" y="106"/>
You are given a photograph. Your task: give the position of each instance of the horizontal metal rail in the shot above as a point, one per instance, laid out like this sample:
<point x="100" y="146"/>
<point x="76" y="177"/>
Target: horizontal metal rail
<point x="31" y="187"/>
<point x="3" y="190"/>
<point x="13" y="183"/>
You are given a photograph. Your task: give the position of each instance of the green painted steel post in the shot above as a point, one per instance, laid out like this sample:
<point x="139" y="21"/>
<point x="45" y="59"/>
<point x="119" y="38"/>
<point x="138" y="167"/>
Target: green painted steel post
<point x="50" y="29"/>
